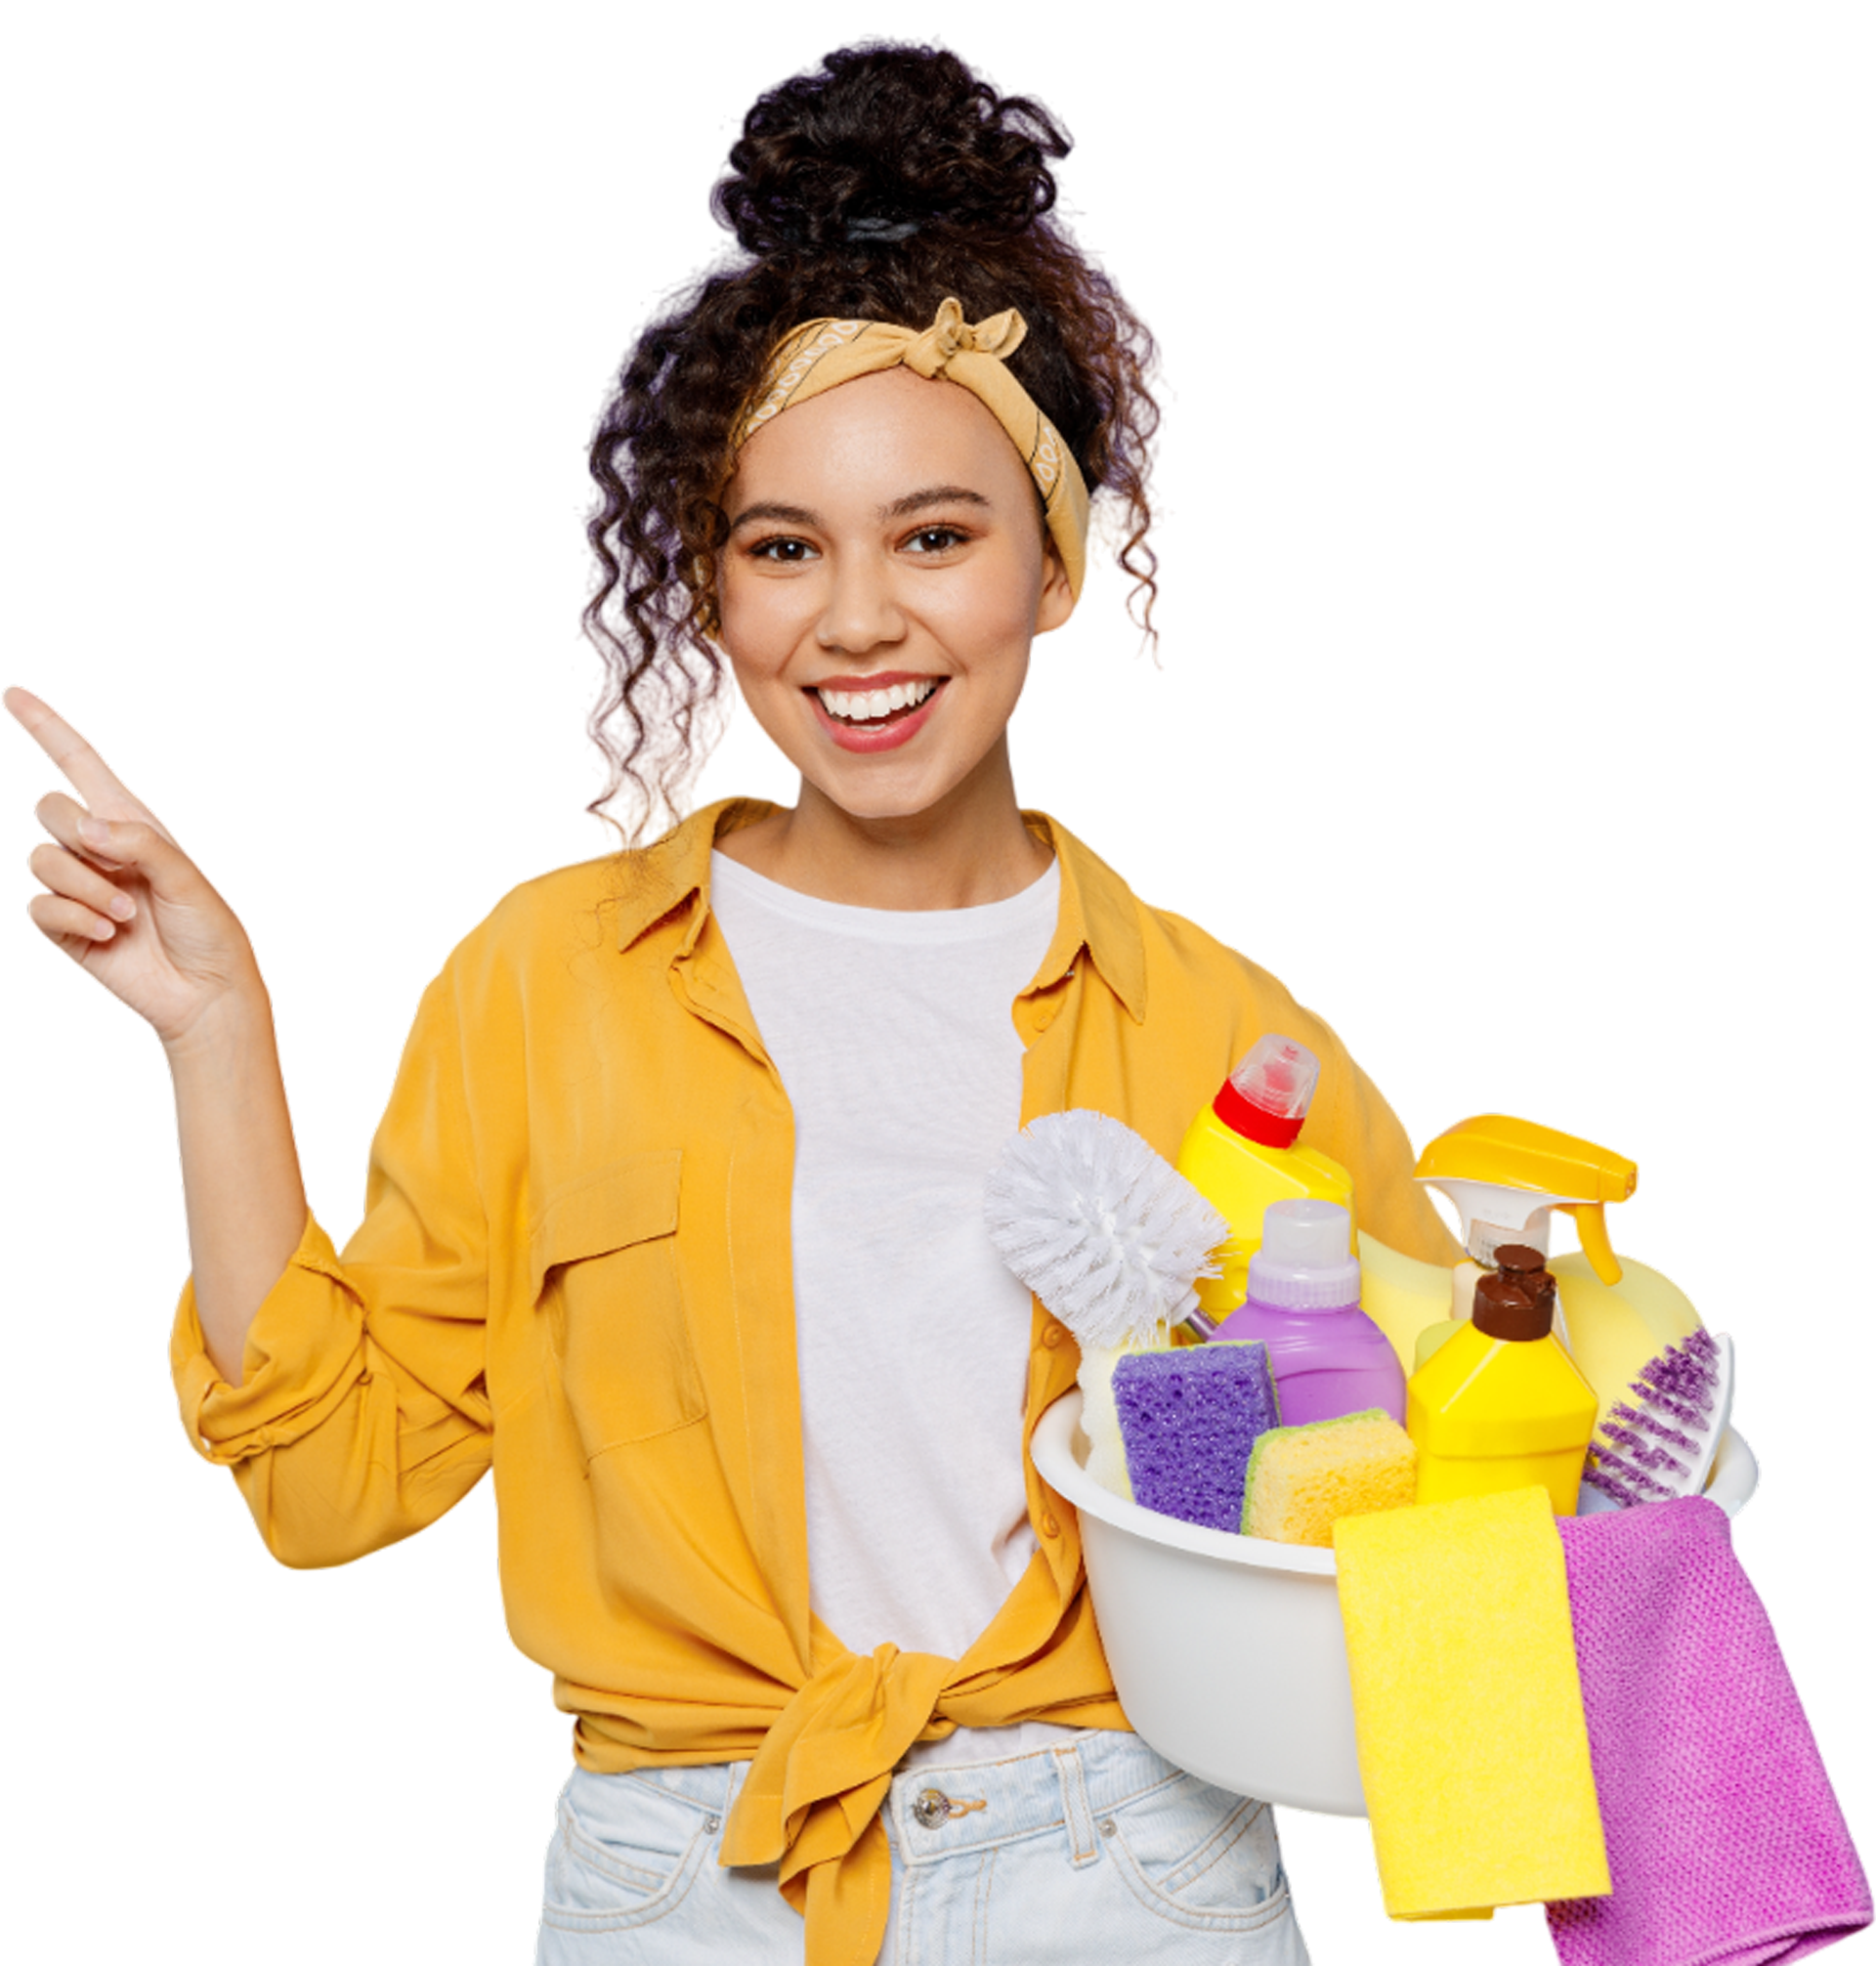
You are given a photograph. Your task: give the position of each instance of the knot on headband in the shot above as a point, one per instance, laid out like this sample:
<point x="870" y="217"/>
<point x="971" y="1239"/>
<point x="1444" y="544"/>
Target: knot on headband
<point x="949" y="333"/>
<point x="820" y="355"/>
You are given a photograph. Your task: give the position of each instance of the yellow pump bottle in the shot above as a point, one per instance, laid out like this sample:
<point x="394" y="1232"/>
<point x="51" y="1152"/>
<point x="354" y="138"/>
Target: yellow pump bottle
<point x="1241" y="1155"/>
<point x="1499" y="1406"/>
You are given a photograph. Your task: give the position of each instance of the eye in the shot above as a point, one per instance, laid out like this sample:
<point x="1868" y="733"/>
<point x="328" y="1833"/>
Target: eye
<point x="781" y="550"/>
<point x="947" y="536"/>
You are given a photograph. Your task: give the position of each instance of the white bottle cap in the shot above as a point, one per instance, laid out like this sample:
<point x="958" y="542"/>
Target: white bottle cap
<point x="1304" y="1264"/>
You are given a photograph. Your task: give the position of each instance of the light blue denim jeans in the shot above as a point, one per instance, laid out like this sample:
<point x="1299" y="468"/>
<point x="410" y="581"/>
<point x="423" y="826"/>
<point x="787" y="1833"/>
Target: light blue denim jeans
<point x="1095" y="1850"/>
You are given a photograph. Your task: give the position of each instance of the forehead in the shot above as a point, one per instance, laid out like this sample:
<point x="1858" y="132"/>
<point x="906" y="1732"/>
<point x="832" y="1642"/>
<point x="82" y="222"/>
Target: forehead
<point x="874" y="439"/>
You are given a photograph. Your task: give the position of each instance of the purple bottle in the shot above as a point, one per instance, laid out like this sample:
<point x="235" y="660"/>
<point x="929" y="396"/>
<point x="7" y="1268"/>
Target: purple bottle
<point x="1328" y="1356"/>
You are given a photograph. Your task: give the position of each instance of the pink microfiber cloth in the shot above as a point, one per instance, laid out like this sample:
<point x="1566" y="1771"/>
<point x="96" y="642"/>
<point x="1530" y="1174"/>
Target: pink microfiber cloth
<point x="1727" y="1847"/>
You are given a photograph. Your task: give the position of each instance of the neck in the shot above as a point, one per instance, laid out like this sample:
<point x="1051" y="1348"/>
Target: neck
<point x="969" y="849"/>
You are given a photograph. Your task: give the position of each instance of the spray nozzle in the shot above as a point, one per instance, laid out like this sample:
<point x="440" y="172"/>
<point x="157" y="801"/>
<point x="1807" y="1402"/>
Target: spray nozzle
<point x="1504" y="1175"/>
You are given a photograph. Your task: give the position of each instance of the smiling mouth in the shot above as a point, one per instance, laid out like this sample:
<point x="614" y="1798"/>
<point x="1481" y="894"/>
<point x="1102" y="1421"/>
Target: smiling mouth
<point x="877" y="710"/>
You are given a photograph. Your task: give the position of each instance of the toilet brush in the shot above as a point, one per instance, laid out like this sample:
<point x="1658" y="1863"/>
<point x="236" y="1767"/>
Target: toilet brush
<point x="1108" y="1233"/>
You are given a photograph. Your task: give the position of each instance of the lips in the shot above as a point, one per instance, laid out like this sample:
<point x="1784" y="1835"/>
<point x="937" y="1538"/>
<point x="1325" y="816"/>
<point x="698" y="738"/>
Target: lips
<point x="895" y="730"/>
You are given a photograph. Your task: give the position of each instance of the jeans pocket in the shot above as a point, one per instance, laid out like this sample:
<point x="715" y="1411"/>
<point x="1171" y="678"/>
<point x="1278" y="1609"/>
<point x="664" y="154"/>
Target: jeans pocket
<point x="624" y="1852"/>
<point x="1200" y="1856"/>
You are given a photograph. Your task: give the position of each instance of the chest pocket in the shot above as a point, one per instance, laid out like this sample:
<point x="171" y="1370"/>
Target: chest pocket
<point x="604" y="1261"/>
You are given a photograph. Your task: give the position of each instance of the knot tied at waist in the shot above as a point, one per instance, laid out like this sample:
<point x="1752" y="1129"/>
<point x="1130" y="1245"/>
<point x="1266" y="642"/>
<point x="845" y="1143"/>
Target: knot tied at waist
<point x="811" y="1800"/>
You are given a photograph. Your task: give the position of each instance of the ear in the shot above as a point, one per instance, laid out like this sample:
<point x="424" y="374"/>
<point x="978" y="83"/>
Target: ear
<point x="1056" y="602"/>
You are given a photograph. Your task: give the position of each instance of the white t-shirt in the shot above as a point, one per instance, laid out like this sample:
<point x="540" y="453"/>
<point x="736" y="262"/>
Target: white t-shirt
<point x="893" y="1036"/>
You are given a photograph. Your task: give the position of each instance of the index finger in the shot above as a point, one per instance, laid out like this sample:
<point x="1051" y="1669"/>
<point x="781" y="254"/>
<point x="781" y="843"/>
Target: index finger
<point x="101" y="789"/>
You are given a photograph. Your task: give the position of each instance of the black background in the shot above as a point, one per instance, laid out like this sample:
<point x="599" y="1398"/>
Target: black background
<point x="1510" y="641"/>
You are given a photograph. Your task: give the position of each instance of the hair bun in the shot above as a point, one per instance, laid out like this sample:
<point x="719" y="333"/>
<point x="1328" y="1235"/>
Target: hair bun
<point x="883" y="141"/>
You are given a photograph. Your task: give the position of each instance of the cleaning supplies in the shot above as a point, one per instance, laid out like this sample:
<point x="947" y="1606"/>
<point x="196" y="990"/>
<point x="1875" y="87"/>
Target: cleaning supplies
<point x="1101" y="1227"/>
<point x="1469" y="1712"/>
<point x="1662" y="1447"/>
<point x="1190" y="1419"/>
<point x="1111" y="1238"/>
<point x="1725" y="1843"/>
<point x="1303" y="1301"/>
<point x="1499" y="1406"/>
<point x="1615" y="1333"/>
<point x="1304" y="1479"/>
<point x="1241" y="1154"/>
<point x="1504" y="1175"/>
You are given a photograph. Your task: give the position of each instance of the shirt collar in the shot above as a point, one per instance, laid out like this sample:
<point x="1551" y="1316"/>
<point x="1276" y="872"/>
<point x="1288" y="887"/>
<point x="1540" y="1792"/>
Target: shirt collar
<point x="1099" y="911"/>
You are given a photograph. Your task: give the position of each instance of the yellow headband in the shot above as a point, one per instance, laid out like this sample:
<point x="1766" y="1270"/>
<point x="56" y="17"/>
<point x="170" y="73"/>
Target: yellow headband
<point x="820" y="354"/>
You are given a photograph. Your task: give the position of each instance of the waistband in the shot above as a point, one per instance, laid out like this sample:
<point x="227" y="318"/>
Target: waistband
<point x="953" y="1808"/>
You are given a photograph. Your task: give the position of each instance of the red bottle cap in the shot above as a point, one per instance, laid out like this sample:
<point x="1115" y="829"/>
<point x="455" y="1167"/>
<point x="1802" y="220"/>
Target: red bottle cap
<point x="1252" y="1122"/>
<point x="1267" y="1097"/>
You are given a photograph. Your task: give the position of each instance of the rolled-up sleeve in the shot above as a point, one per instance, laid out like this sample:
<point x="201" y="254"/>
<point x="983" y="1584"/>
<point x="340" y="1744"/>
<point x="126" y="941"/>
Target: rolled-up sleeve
<point x="362" y="1412"/>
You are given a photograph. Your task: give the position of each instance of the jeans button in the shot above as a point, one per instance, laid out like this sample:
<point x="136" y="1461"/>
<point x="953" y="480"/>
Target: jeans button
<point x="932" y="1808"/>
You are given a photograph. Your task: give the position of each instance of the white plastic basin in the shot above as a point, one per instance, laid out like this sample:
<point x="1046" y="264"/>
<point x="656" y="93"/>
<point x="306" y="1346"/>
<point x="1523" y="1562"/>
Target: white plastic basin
<point x="1227" y="1650"/>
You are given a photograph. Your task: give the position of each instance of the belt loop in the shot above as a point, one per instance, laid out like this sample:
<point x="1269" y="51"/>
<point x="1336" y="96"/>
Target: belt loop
<point x="1083" y="1845"/>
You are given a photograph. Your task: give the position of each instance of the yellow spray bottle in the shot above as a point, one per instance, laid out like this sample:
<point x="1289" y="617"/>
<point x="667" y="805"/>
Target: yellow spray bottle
<point x="1504" y="1177"/>
<point x="1241" y="1155"/>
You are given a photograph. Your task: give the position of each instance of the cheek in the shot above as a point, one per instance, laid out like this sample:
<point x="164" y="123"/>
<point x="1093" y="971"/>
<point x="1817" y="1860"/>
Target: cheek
<point x="756" y="627"/>
<point x="993" y="618"/>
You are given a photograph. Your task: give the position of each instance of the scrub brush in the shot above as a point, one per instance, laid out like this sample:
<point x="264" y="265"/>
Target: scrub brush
<point x="1663" y="1446"/>
<point x="1108" y="1233"/>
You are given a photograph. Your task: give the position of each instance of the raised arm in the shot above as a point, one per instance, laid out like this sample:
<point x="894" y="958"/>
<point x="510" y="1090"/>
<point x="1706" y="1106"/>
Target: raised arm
<point x="126" y="904"/>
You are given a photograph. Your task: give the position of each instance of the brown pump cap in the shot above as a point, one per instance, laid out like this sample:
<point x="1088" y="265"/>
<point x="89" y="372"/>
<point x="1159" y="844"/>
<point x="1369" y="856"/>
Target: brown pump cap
<point x="1519" y="1303"/>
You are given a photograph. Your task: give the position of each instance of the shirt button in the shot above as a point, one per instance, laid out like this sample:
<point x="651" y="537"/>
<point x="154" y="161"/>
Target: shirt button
<point x="1052" y="1335"/>
<point x="1050" y="1527"/>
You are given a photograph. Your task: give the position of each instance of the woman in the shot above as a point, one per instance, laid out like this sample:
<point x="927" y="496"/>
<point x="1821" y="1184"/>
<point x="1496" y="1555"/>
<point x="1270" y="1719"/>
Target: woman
<point x="675" y="1217"/>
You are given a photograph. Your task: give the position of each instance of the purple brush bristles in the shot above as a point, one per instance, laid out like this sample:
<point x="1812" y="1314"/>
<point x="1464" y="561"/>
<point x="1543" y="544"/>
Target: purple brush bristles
<point x="1637" y="1455"/>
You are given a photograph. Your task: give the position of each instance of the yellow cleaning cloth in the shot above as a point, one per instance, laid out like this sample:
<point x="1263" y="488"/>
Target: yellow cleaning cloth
<point x="1468" y="1716"/>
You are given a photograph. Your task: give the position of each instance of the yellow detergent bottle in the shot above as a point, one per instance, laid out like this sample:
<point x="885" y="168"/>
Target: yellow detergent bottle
<point x="1241" y="1155"/>
<point x="1499" y="1406"/>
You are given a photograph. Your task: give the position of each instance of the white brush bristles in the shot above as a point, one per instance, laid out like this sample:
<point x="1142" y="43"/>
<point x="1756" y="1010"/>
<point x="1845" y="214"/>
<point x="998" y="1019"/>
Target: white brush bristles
<point x="1105" y="1232"/>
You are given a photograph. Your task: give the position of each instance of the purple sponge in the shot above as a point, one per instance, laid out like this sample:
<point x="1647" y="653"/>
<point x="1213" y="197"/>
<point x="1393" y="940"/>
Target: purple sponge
<point x="1189" y="1419"/>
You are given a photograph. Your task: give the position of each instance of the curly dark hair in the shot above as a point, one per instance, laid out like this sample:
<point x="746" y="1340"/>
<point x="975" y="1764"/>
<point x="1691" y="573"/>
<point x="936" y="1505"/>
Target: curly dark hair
<point x="878" y="184"/>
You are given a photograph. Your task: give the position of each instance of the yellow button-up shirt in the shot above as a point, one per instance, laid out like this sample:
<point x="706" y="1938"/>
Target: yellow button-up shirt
<point x="575" y="1269"/>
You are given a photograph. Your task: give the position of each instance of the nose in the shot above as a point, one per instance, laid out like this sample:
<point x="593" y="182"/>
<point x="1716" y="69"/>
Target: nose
<point x="861" y="611"/>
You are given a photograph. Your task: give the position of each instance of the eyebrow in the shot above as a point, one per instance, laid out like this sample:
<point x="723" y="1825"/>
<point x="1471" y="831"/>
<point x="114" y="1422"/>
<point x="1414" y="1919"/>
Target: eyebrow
<point x="900" y="508"/>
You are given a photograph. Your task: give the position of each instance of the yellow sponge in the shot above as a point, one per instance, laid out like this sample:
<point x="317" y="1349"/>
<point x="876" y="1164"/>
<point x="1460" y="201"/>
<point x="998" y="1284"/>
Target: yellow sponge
<point x="1304" y="1479"/>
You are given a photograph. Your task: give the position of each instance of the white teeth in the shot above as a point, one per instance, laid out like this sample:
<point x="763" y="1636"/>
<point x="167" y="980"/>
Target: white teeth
<point x="865" y="706"/>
